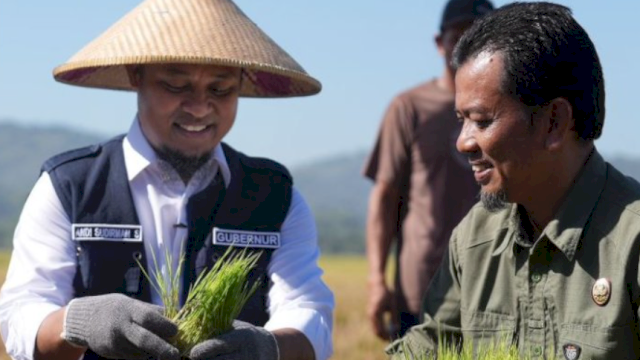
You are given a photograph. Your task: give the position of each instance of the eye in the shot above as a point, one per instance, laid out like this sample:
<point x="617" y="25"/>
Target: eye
<point x="174" y="88"/>
<point x="221" y="91"/>
<point x="483" y="123"/>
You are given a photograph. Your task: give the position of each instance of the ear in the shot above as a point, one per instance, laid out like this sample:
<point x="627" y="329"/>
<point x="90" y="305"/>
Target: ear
<point x="134" y="73"/>
<point x="560" y="122"/>
<point x="438" y="40"/>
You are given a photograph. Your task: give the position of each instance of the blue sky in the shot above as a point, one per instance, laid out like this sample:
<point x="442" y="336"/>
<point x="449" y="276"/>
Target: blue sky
<point x="364" y="52"/>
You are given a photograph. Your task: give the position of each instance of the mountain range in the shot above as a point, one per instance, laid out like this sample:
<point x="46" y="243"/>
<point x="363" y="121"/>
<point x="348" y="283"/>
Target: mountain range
<point x="334" y="187"/>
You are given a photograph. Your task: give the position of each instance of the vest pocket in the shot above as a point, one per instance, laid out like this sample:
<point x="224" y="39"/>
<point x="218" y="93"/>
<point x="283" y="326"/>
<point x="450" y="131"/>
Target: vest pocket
<point x="109" y="266"/>
<point x="598" y="343"/>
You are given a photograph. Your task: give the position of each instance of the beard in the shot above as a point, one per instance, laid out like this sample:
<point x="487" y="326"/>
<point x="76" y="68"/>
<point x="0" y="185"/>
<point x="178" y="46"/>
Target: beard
<point x="184" y="165"/>
<point x="495" y="201"/>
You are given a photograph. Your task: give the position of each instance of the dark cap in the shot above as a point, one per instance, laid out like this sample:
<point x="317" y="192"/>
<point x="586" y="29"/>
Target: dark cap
<point x="458" y="11"/>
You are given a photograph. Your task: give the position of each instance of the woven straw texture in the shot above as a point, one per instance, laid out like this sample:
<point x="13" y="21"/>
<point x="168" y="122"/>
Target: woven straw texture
<point x="214" y="32"/>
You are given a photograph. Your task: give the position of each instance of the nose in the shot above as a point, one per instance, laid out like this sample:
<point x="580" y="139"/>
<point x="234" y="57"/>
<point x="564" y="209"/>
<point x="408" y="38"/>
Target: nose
<point x="199" y="104"/>
<point x="466" y="142"/>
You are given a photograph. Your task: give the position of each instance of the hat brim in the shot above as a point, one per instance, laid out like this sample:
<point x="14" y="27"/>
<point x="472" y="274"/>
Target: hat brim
<point x="199" y="32"/>
<point x="259" y="80"/>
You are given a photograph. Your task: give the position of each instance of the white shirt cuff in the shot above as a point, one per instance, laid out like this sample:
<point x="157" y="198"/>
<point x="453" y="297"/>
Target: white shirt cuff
<point x="23" y="329"/>
<point x="310" y="323"/>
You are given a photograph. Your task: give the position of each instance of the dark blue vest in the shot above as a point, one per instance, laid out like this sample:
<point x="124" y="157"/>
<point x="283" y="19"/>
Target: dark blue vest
<point x="92" y="185"/>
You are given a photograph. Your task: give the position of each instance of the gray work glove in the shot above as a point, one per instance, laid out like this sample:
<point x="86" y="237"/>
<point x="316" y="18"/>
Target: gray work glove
<point x="244" y="342"/>
<point x="119" y="327"/>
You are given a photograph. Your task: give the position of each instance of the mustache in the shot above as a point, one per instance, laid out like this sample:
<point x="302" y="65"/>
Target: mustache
<point x="476" y="158"/>
<point x="186" y="118"/>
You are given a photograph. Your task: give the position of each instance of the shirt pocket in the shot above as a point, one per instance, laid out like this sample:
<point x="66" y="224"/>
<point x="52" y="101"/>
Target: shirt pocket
<point x="486" y="329"/>
<point x="597" y="343"/>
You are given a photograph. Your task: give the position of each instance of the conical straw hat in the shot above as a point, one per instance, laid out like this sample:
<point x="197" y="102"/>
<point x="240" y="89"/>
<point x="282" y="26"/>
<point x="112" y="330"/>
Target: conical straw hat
<point x="214" y="32"/>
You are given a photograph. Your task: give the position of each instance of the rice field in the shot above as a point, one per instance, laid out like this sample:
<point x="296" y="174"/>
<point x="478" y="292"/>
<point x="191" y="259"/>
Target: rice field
<point x="4" y="263"/>
<point x="352" y="337"/>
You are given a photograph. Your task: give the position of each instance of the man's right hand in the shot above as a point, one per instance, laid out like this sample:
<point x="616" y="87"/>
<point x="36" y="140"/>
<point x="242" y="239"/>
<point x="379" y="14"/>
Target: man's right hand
<point x="381" y="302"/>
<point x="382" y="228"/>
<point x="119" y="327"/>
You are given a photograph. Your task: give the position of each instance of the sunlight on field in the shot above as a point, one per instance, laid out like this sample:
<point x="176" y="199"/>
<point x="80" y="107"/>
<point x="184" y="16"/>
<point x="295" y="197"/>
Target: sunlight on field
<point x="4" y="263"/>
<point x="352" y="336"/>
<point x="346" y="277"/>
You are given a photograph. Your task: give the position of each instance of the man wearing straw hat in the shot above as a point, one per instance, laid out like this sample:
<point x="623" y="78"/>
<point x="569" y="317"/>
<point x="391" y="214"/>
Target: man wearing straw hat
<point x="74" y="286"/>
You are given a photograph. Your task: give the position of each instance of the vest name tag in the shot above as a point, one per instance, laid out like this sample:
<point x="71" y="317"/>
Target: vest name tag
<point x="247" y="239"/>
<point x="108" y="232"/>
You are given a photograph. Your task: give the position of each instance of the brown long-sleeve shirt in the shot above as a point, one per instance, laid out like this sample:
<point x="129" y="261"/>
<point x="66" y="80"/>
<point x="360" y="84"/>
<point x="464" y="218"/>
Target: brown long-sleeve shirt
<point x="415" y="151"/>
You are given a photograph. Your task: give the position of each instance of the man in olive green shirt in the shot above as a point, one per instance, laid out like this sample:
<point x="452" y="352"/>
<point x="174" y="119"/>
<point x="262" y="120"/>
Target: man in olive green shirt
<point x="548" y="260"/>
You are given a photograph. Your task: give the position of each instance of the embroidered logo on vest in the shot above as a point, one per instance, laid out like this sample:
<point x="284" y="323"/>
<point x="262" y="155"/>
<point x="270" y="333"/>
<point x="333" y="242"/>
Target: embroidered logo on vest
<point x="249" y="239"/>
<point x="571" y="351"/>
<point x="108" y="232"/>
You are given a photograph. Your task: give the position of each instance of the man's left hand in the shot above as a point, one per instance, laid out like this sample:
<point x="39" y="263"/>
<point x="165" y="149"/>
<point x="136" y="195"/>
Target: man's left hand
<point x="244" y="342"/>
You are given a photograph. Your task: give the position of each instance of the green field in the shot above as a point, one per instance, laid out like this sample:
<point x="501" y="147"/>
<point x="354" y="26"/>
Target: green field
<point x="4" y="262"/>
<point x="346" y="277"/>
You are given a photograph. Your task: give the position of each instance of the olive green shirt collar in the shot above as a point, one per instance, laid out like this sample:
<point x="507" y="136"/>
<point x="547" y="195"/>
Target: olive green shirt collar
<point x="565" y="229"/>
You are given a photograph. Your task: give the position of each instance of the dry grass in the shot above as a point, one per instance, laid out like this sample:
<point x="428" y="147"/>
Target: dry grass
<point x="4" y="263"/>
<point x="346" y="276"/>
<point x="353" y="338"/>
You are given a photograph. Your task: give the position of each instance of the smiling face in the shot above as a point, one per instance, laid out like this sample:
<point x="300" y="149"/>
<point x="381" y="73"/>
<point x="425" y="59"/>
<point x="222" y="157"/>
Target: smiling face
<point x="186" y="109"/>
<point x="505" y="149"/>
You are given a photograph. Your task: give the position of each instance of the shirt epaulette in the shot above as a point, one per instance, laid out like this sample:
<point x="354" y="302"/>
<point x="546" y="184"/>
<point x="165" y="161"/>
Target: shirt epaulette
<point x="71" y="155"/>
<point x="75" y="154"/>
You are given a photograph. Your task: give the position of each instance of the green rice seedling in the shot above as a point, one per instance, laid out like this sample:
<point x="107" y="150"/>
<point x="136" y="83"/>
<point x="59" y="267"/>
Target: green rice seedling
<point x="214" y="301"/>
<point x="168" y="289"/>
<point x="499" y="351"/>
<point x="496" y="350"/>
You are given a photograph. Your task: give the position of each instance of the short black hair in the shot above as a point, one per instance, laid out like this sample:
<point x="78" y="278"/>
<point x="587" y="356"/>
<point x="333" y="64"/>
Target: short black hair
<point x="546" y="54"/>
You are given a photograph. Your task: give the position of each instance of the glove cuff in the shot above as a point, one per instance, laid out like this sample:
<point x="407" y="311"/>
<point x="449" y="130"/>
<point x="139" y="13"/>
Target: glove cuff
<point x="74" y="329"/>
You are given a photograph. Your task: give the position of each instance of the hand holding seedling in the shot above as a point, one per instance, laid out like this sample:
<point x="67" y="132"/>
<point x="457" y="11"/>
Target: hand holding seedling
<point x="117" y="326"/>
<point x="244" y="342"/>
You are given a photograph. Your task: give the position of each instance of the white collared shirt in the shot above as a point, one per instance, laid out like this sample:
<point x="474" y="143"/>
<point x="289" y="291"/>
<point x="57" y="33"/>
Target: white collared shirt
<point x="43" y="263"/>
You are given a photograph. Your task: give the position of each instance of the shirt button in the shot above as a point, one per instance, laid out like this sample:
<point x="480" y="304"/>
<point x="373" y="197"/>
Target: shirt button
<point x="536" y="277"/>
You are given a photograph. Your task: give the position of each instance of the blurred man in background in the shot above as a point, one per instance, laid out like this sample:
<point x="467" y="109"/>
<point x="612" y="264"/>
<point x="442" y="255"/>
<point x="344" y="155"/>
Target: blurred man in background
<point x="423" y="186"/>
